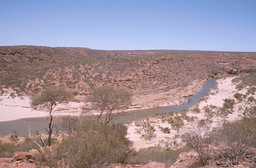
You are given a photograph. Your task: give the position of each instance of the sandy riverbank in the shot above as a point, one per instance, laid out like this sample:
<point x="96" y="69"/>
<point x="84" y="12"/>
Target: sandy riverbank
<point x="18" y="108"/>
<point x="226" y="90"/>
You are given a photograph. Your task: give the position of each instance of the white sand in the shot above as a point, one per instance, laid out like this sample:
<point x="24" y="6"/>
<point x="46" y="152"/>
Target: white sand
<point x="225" y="90"/>
<point x="18" y="108"/>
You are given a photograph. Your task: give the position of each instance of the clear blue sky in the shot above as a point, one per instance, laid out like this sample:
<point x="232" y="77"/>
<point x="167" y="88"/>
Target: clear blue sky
<point x="226" y="25"/>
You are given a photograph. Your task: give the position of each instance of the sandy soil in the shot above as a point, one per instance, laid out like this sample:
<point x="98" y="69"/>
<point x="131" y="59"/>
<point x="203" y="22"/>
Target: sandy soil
<point x="226" y="90"/>
<point x="18" y="108"/>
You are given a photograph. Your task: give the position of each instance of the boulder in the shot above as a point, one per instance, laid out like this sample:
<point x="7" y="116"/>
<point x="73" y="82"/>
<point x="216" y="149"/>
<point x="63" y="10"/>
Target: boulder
<point x="22" y="156"/>
<point x="25" y="156"/>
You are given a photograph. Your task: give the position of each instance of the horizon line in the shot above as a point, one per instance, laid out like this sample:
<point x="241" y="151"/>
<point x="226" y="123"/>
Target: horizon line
<point x="193" y="50"/>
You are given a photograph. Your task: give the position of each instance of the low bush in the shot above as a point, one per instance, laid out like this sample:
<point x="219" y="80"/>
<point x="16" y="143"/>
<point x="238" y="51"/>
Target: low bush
<point x="176" y="122"/>
<point x="196" y="110"/>
<point x="251" y="90"/>
<point x="147" y="130"/>
<point x="14" y="137"/>
<point x="91" y="145"/>
<point x="251" y="99"/>
<point x="228" y="104"/>
<point x="250" y="112"/>
<point x="68" y="123"/>
<point x="157" y="154"/>
<point x="234" y="139"/>
<point x="245" y="80"/>
<point x="239" y="96"/>
<point x="199" y="140"/>
<point x="8" y="149"/>
<point x="228" y="145"/>
<point x="208" y="112"/>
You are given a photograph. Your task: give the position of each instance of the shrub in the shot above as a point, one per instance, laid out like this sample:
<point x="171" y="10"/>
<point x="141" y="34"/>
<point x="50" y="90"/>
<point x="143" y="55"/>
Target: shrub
<point x="250" y="112"/>
<point x="8" y="149"/>
<point x="228" y="104"/>
<point x="208" y="112"/>
<point x="251" y="99"/>
<point x="92" y="145"/>
<point x="157" y="154"/>
<point x="198" y="140"/>
<point x="202" y="123"/>
<point x="14" y="137"/>
<point x="224" y="112"/>
<point x="68" y="123"/>
<point x="245" y="80"/>
<point x="196" y="110"/>
<point x="234" y="139"/>
<point x="229" y="144"/>
<point x="146" y="130"/>
<point x="239" y="96"/>
<point x="176" y="122"/>
<point x="251" y="90"/>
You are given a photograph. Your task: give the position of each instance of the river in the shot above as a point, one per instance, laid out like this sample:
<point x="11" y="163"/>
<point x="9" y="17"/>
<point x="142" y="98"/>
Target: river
<point x="34" y="124"/>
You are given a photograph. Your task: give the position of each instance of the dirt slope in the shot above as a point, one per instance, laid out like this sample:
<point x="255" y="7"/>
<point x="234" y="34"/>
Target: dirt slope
<point x="27" y="69"/>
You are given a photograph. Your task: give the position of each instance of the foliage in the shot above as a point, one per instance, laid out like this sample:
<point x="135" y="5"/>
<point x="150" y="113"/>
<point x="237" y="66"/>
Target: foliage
<point x="157" y="154"/>
<point x="14" y="137"/>
<point x="8" y="149"/>
<point x="251" y="90"/>
<point x="228" y="104"/>
<point x="176" y="122"/>
<point x="239" y="96"/>
<point x="146" y="130"/>
<point x="108" y="99"/>
<point x="196" y="110"/>
<point x="227" y="107"/>
<point x="49" y="99"/>
<point x="229" y="144"/>
<point x="251" y="99"/>
<point x="198" y="139"/>
<point x="250" y="112"/>
<point x="208" y="112"/>
<point x="234" y="139"/>
<point x="68" y="123"/>
<point x="245" y="80"/>
<point x="51" y="96"/>
<point x="92" y="145"/>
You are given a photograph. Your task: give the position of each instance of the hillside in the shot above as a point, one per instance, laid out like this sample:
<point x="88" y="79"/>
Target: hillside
<point x="27" y="69"/>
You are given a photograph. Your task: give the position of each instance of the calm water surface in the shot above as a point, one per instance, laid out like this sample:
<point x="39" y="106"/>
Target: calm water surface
<point x="34" y="124"/>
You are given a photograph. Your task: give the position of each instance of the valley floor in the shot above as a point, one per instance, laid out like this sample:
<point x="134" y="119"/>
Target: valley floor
<point x="166" y="130"/>
<point x="14" y="108"/>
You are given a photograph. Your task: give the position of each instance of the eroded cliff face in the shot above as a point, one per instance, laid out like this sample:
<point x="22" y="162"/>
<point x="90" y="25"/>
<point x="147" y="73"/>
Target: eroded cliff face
<point x="27" y="69"/>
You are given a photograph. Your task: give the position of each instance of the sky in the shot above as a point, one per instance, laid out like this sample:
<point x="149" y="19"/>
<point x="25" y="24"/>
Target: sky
<point x="217" y="25"/>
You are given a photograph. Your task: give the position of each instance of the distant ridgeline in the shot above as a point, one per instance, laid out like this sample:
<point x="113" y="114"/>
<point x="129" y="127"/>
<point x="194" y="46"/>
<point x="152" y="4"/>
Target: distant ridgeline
<point x="27" y="69"/>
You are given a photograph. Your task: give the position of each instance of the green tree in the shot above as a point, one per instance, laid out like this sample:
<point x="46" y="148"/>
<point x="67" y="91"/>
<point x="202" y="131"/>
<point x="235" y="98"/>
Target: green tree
<point x="108" y="99"/>
<point x="48" y="99"/>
